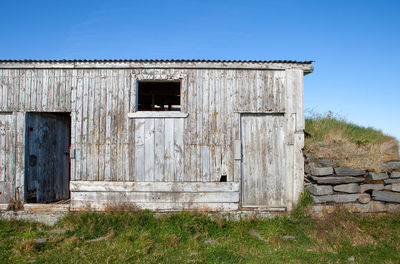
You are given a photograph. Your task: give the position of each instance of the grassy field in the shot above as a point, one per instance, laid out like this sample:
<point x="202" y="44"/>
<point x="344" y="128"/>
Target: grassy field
<point x="333" y="137"/>
<point x="140" y="237"/>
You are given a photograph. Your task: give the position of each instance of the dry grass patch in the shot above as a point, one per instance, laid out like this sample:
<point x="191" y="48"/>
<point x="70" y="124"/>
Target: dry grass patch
<point x="26" y="246"/>
<point x="331" y="229"/>
<point x="331" y="137"/>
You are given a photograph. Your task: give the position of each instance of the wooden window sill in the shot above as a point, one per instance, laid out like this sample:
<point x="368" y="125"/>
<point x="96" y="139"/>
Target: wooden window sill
<point x="161" y="114"/>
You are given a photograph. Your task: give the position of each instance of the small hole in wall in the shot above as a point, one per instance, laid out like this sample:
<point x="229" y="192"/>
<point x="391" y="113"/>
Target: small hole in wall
<point x="223" y="178"/>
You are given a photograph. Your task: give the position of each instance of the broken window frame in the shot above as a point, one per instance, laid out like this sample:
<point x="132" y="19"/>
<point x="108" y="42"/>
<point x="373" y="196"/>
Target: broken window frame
<point x="178" y="77"/>
<point x="163" y="107"/>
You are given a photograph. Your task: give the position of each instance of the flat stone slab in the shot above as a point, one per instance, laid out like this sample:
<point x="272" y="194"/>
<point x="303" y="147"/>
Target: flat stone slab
<point x="57" y="231"/>
<point x="364" y="198"/>
<point x="366" y="187"/>
<point x="386" y="196"/>
<point x="371" y="207"/>
<point x="395" y="187"/>
<point x="391" y="181"/>
<point x="324" y="171"/>
<point x="307" y="169"/>
<point x="258" y="235"/>
<point x="98" y="239"/>
<point x="337" y="198"/>
<point x="395" y="174"/>
<point x="288" y="237"/>
<point x="377" y="176"/>
<point x="210" y="241"/>
<point x="391" y="166"/>
<point x="344" y="171"/>
<point x="337" y="180"/>
<point x="347" y="188"/>
<point x="315" y="189"/>
<point x="40" y="240"/>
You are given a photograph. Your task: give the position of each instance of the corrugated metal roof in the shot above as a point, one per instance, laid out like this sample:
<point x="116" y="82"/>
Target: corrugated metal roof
<point x="149" y="61"/>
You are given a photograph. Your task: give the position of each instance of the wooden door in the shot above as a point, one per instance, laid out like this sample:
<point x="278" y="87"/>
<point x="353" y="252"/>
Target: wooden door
<point x="263" y="161"/>
<point x="47" y="157"/>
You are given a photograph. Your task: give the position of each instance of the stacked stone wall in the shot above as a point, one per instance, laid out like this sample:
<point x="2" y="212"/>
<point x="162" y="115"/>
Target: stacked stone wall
<point x="357" y="190"/>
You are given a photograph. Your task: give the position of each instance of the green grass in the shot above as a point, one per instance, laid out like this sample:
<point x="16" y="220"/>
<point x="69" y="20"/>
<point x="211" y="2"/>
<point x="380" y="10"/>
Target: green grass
<point x="331" y="137"/>
<point x="320" y="125"/>
<point x="140" y="237"/>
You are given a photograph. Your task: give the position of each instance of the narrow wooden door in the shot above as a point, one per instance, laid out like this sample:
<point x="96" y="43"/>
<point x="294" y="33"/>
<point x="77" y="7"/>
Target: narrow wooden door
<point x="47" y="157"/>
<point x="263" y="161"/>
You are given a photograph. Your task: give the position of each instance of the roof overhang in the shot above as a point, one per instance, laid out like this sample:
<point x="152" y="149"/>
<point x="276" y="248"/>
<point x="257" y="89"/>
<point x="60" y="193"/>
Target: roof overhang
<point x="159" y="64"/>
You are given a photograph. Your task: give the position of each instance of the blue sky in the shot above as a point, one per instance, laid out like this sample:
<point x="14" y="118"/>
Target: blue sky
<point x="355" y="44"/>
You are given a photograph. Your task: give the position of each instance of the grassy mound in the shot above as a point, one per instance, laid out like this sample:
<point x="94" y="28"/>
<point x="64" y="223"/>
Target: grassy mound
<point x="331" y="137"/>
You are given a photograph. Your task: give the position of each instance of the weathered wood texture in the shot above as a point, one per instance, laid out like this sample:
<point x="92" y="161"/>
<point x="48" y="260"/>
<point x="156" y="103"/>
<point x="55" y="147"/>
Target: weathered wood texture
<point x="264" y="160"/>
<point x="206" y="196"/>
<point x="110" y="146"/>
<point x="200" y="146"/>
<point x="7" y="152"/>
<point x="294" y="132"/>
<point x="46" y="157"/>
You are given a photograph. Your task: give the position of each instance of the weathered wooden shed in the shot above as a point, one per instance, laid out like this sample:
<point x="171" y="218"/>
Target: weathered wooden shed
<point x="157" y="134"/>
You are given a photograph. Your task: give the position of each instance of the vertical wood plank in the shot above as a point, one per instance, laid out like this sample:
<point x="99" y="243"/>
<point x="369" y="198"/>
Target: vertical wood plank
<point x="91" y="164"/>
<point x="73" y="99"/>
<point x="125" y="139"/>
<point x="205" y="162"/>
<point x="3" y="151"/>
<point x="84" y="131"/>
<point x="159" y="149"/>
<point x="40" y="89"/>
<point x="68" y="89"/>
<point x="11" y="90"/>
<point x="78" y="125"/>
<point x="33" y="89"/>
<point x="114" y="127"/>
<point x="102" y="104"/>
<point x="199" y="125"/>
<point x="22" y="84"/>
<point x="205" y="109"/>
<point x="169" y="168"/>
<point x="2" y="90"/>
<point x="28" y="85"/>
<point x="179" y="150"/>
<point x="149" y="149"/>
<point x="45" y="90"/>
<point x="107" y="154"/>
<point x="139" y="150"/>
<point x="131" y="143"/>
<point x="96" y="128"/>
<point x="50" y="90"/>
<point x="19" y="157"/>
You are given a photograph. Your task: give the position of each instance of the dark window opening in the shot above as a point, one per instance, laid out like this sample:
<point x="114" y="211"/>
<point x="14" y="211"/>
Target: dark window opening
<point x="159" y="96"/>
<point x="223" y="178"/>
